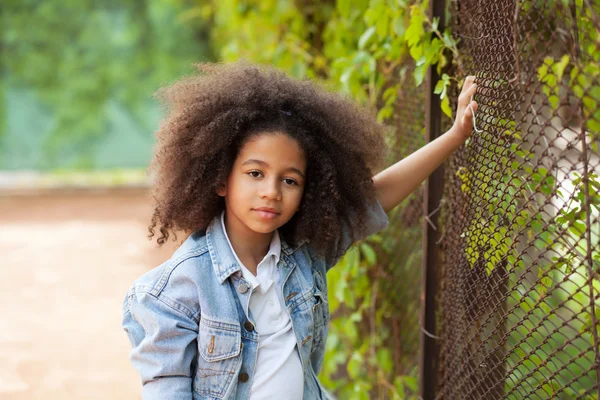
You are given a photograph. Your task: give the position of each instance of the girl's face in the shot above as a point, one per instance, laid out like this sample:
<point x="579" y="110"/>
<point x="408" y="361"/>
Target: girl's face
<point x="269" y="172"/>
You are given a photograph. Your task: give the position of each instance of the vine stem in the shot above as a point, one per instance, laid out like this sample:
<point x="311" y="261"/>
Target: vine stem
<point x="452" y="48"/>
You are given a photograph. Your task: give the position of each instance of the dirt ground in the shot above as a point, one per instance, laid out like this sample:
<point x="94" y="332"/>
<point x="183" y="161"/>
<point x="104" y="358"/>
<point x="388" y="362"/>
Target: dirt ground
<point x="68" y="259"/>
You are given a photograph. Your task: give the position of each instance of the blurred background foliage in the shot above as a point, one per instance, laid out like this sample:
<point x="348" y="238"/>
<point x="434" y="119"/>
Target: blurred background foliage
<point x="77" y="78"/>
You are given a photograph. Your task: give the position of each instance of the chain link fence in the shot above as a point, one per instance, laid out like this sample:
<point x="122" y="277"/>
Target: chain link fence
<point x="400" y="272"/>
<point x="518" y="306"/>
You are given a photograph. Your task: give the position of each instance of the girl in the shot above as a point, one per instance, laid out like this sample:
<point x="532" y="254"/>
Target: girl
<point x="272" y="179"/>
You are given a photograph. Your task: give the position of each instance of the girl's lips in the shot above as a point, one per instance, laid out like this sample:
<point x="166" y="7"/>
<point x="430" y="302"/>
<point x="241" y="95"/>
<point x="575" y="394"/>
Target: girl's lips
<point x="266" y="214"/>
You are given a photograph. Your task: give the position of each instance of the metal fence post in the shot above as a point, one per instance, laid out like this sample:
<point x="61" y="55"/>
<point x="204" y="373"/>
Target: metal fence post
<point x="429" y="355"/>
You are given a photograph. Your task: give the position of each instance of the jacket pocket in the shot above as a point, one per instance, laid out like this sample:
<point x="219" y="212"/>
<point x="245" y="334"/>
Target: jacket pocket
<point x="219" y="360"/>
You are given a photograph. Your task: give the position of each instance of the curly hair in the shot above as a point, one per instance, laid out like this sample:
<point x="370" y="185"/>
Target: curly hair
<point x="211" y="115"/>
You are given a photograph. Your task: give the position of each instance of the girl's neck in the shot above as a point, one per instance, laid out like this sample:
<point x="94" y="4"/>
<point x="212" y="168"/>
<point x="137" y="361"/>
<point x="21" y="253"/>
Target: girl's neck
<point x="249" y="246"/>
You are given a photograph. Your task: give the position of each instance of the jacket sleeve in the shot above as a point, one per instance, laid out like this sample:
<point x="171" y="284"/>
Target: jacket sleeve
<point x="376" y="220"/>
<point x="163" y="335"/>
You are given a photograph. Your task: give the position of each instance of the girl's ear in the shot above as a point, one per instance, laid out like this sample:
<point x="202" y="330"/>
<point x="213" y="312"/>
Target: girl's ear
<point x="222" y="190"/>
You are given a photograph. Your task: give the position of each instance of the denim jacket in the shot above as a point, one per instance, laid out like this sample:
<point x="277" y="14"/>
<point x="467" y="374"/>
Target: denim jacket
<point x="190" y="327"/>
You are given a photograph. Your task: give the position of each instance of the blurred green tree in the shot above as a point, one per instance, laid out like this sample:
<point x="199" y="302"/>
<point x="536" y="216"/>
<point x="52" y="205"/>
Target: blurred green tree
<point x="85" y="70"/>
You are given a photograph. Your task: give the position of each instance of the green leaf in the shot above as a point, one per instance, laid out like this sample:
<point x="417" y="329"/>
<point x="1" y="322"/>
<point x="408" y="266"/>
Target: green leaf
<point x="415" y="31"/>
<point x="432" y="51"/>
<point x="399" y="384"/>
<point x="354" y="365"/>
<point x="446" y="107"/>
<point x="547" y="282"/>
<point x="382" y="25"/>
<point x="349" y="297"/>
<point x="419" y="74"/>
<point x="559" y="67"/>
<point x="416" y="52"/>
<point x="412" y="383"/>
<point x="366" y="37"/>
<point x="441" y="86"/>
<point x="345" y="78"/>
<point x="384" y="359"/>
<point x="448" y="41"/>
<point x="398" y="26"/>
<point x="369" y="254"/>
<point x="593" y="125"/>
<point x="385" y="113"/>
<point x="344" y="7"/>
<point x="548" y="389"/>
<point x="577" y="229"/>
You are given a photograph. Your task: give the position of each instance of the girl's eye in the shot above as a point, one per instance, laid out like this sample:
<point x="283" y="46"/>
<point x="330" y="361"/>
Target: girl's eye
<point x="288" y="180"/>
<point x="254" y="172"/>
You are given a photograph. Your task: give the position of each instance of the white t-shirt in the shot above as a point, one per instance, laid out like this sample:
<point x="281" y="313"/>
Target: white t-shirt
<point x="278" y="372"/>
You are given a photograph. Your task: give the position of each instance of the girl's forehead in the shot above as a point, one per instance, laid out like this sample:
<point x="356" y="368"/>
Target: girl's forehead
<point x="276" y="148"/>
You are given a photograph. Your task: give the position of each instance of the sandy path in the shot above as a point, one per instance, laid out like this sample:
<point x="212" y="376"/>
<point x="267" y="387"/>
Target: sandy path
<point x="67" y="261"/>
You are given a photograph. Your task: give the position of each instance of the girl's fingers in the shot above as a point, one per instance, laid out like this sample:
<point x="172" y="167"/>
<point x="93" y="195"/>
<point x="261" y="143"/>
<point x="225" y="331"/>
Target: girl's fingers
<point x="469" y="81"/>
<point x="466" y="96"/>
<point x="467" y="91"/>
<point x="468" y="114"/>
<point x="466" y="106"/>
<point x="471" y="91"/>
<point x="470" y="109"/>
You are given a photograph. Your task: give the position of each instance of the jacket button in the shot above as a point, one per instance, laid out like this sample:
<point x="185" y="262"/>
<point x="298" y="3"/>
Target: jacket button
<point x="243" y="377"/>
<point x="248" y="325"/>
<point x="243" y="288"/>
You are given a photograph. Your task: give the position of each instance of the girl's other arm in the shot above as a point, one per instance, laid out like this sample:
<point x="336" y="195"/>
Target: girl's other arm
<point x="163" y="340"/>
<point x="395" y="183"/>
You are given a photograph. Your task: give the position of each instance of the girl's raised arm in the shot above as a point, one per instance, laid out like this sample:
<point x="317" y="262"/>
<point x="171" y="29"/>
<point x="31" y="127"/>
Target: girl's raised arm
<point x="396" y="182"/>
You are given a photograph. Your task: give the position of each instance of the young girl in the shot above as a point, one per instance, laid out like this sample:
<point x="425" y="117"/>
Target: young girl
<point x="271" y="177"/>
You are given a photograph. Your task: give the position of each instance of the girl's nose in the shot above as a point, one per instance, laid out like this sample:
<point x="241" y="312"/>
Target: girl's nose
<point x="271" y="190"/>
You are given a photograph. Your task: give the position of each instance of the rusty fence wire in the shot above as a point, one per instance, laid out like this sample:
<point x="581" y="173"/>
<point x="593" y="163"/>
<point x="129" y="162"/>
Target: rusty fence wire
<point x="519" y="302"/>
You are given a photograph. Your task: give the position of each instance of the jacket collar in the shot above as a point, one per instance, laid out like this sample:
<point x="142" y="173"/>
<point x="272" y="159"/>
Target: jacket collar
<point x="223" y="260"/>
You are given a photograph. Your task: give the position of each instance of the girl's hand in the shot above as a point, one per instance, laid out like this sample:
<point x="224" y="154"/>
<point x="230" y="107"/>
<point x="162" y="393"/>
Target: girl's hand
<point x="463" y="124"/>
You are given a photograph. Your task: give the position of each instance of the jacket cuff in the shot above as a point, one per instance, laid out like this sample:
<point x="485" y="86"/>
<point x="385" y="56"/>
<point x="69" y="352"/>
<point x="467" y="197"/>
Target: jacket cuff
<point x="168" y="388"/>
